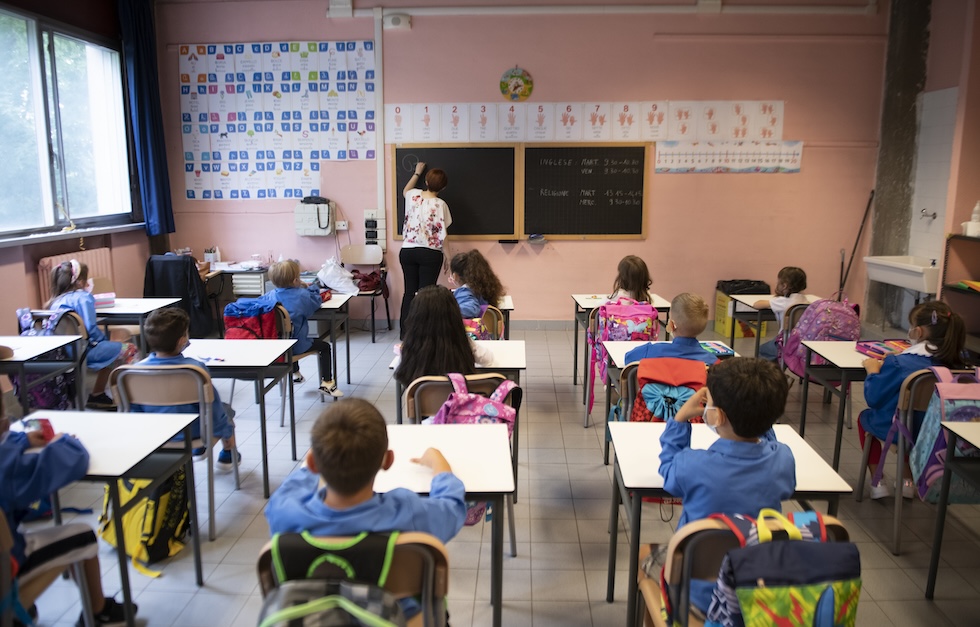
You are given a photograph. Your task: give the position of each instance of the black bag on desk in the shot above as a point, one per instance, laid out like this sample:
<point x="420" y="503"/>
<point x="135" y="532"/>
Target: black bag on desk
<point x="743" y="286"/>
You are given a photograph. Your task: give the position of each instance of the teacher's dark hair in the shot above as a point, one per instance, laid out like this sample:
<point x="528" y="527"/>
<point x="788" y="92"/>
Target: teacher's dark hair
<point x="436" y="180"/>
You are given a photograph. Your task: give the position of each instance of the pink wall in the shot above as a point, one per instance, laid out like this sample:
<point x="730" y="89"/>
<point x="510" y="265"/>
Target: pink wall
<point x="828" y="69"/>
<point x="964" y="184"/>
<point x="946" y="33"/>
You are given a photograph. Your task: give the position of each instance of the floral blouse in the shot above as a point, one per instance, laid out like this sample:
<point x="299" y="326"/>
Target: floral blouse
<point x="426" y="221"/>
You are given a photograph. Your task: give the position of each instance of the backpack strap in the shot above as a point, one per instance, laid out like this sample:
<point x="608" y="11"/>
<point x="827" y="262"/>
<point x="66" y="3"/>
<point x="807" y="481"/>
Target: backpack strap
<point x="812" y="520"/>
<point x="943" y="375"/>
<point x="502" y="391"/>
<point x="459" y="382"/>
<point x="741" y="528"/>
<point x="765" y="535"/>
<point x="365" y="557"/>
<point x="898" y="429"/>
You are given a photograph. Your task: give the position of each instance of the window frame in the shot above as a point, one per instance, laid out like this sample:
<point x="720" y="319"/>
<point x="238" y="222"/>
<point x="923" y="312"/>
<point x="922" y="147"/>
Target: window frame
<point x="38" y="26"/>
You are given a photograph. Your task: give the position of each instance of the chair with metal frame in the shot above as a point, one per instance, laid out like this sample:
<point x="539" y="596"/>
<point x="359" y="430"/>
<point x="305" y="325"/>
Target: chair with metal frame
<point x="70" y="323"/>
<point x="369" y="255"/>
<point x="168" y="386"/>
<point x="493" y="321"/>
<point x="426" y="395"/>
<point x="419" y="567"/>
<point x="790" y="319"/>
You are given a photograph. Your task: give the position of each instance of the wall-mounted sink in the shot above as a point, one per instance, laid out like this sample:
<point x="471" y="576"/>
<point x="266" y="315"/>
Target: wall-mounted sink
<point x="913" y="273"/>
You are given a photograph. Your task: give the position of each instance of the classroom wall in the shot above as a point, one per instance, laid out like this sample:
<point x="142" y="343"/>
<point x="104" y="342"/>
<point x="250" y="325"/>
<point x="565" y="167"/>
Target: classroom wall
<point x="964" y="182"/>
<point x="702" y="228"/>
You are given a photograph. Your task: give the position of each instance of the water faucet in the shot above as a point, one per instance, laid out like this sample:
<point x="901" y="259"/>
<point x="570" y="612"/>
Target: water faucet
<point x="926" y="214"/>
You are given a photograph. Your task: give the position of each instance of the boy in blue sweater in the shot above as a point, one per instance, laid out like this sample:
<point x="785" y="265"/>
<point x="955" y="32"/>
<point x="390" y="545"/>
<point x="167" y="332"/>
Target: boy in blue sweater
<point x="333" y="493"/>
<point x="25" y="478"/>
<point x="688" y="319"/>
<point x="167" y="336"/>
<point x="745" y="469"/>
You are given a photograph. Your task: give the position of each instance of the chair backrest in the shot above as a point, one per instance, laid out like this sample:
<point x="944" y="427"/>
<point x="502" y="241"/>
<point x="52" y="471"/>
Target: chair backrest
<point x="362" y="254"/>
<point x="426" y="395"/>
<point x="696" y="550"/>
<point x="493" y="321"/>
<point x="419" y="567"/>
<point x="793" y="315"/>
<point x="284" y="324"/>
<point x="628" y="387"/>
<point x="165" y="386"/>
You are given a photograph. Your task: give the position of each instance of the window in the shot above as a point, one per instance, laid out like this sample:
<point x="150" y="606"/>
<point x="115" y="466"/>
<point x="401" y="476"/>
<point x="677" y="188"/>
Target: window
<point x="63" y="130"/>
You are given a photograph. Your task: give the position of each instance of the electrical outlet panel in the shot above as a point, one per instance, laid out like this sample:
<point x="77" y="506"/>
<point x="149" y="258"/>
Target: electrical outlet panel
<point x="370" y="214"/>
<point x="370" y="224"/>
<point x="371" y="234"/>
<point x="341" y="225"/>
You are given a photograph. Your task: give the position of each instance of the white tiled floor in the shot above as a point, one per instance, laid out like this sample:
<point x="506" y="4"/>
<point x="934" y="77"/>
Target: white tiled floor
<point x="559" y="575"/>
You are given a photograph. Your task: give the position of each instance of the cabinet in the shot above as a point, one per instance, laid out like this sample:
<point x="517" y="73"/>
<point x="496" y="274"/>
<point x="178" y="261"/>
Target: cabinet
<point x="962" y="263"/>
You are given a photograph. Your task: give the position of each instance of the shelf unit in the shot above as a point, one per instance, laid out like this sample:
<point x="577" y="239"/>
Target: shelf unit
<point x="962" y="263"/>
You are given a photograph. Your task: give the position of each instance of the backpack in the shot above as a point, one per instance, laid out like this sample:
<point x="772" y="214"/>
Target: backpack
<point x="330" y="603"/>
<point x="955" y="400"/>
<point x="805" y="581"/>
<point x="823" y="320"/>
<point x="244" y="321"/>
<point x="155" y="527"/>
<point x="475" y="328"/>
<point x="619" y="320"/>
<point x="663" y="385"/>
<point x="464" y="407"/>
<point x="58" y="392"/>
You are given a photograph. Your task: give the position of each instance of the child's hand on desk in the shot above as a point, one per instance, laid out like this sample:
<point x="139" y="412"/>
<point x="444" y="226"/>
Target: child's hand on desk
<point x="36" y="439"/>
<point x="433" y="459"/>
<point x="693" y="407"/>
<point x="872" y="365"/>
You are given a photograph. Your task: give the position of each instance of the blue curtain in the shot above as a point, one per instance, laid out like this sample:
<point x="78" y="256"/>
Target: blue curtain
<point x="139" y="52"/>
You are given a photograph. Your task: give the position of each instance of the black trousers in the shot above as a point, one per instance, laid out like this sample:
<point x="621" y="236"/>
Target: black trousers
<point x="420" y="267"/>
<point x="322" y="358"/>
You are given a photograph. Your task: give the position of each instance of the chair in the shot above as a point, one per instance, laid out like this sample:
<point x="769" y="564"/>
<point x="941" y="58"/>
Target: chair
<point x="695" y="551"/>
<point x="28" y="591"/>
<point x="177" y="276"/>
<point x="369" y="255"/>
<point x="426" y="395"/>
<point x="168" y="386"/>
<point x="493" y="321"/>
<point x="627" y="386"/>
<point x="419" y="567"/>
<point x="792" y="316"/>
<point x="70" y="323"/>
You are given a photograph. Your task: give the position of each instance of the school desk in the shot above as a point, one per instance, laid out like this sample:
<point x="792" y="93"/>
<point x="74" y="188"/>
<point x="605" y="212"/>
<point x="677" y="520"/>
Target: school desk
<point x="584" y="304"/>
<point x="479" y="455"/>
<point x="119" y="449"/>
<point x="28" y="351"/>
<point x="509" y="359"/>
<point x="966" y="467"/>
<point x="506" y="305"/>
<point x="133" y="311"/>
<point x="254" y="360"/>
<point x="336" y="311"/>
<point x="636" y="472"/>
<point x="842" y="367"/>
<point x="744" y="310"/>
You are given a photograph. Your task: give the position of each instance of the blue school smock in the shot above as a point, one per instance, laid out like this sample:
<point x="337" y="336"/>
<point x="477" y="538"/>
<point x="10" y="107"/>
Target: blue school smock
<point x="298" y="506"/>
<point x="223" y="426"/>
<point x="682" y="347"/>
<point x="301" y="303"/>
<point x="25" y="478"/>
<point x="881" y="389"/>
<point x="469" y="304"/>
<point x="102" y="351"/>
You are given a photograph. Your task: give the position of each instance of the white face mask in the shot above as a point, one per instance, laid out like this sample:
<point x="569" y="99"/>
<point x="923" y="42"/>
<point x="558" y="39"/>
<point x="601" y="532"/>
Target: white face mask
<point x="704" y="415"/>
<point x="90" y="285"/>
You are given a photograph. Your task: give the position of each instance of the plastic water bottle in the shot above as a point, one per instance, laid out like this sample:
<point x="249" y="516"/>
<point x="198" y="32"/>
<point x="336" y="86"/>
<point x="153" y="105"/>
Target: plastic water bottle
<point x="976" y="212"/>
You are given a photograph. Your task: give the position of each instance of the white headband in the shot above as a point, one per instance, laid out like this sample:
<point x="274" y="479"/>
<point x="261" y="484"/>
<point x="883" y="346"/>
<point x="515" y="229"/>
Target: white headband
<point x="76" y="270"/>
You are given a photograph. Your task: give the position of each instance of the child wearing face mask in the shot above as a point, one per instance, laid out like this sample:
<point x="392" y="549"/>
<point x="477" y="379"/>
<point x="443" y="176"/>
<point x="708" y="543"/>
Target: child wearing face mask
<point x="71" y="289"/>
<point x="745" y="469"/>
<point x="938" y="335"/>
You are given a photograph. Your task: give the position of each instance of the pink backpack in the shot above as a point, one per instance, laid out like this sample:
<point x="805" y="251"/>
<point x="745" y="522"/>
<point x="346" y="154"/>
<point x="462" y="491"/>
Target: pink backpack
<point x="619" y="320"/>
<point x="823" y="321"/>
<point x="464" y="407"/>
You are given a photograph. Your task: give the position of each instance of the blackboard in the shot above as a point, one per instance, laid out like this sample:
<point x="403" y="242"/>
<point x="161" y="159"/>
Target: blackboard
<point x="481" y="189"/>
<point x="584" y="190"/>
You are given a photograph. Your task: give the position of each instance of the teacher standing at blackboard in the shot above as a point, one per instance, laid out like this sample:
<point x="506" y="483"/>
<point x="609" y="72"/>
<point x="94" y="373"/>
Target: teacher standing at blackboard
<point x="426" y="219"/>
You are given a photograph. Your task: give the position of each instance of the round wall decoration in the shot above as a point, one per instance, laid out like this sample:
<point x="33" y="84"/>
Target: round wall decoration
<point x="516" y="84"/>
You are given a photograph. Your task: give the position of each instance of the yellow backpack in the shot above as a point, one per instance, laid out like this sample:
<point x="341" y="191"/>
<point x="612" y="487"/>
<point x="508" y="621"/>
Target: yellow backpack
<point x="155" y="526"/>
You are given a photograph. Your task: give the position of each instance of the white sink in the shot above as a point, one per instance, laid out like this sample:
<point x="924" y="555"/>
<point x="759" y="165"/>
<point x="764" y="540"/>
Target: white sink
<point x="913" y="273"/>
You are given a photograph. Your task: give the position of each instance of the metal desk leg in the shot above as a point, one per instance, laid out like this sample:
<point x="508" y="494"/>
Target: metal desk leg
<point x="575" y="344"/>
<point x="497" y="558"/>
<point x="121" y="552"/>
<point x="613" y="534"/>
<point x="845" y="387"/>
<point x="260" y="399"/>
<point x="346" y="338"/>
<point x="192" y="495"/>
<point x="399" y="392"/>
<point x="758" y="330"/>
<point x="731" y="334"/>
<point x="292" y="412"/>
<point x="636" y="508"/>
<point x="333" y="346"/>
<point x="937" y="538"/>
<point x="506" y="324"/>
<point x="806" y="389"/>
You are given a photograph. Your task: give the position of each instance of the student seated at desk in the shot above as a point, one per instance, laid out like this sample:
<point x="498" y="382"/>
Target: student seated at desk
<point x="478" y="286"/>
<point x="70" y="286"/>
<point x="301" y="302"/>
<point x="333" y="493"/>
<point x="435" y="339"/>
<point x="632" y="280"/>
<point x="790" y="283"/>
<point x="688" y="318"/>
<point x="167" y="335"/>
<point x="743" y="471"/>
<point x="25" y="478"/>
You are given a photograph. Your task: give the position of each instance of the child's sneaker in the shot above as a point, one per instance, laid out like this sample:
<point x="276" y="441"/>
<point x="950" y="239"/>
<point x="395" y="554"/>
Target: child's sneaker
<point x="199" y="453"/>
<point x="224" y="459"/>
<point x="330" y="387"/>
<point x="298" y="377"/>
<point x="100" y="401"/>
<point x="908" y="489"/>
<point x="112" y="613"/>
<point x="880" y="491"/>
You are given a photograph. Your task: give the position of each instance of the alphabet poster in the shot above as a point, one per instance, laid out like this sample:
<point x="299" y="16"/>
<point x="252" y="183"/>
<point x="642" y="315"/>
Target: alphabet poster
<point x="258" y="118"/>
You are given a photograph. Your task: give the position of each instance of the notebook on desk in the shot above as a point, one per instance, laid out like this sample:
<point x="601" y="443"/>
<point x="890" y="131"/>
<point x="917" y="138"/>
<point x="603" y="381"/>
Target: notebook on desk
<point x="717" y="348"/>
<point x="879" y="349"/>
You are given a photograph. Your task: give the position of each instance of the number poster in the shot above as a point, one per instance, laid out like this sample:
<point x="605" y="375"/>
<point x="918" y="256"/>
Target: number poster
<point x="736" y="157"/>
<point x="258" y="118"/>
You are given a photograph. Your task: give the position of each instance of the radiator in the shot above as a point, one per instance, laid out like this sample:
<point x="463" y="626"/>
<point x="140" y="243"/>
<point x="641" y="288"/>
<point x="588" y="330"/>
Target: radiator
<point x="98" y="260"/>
